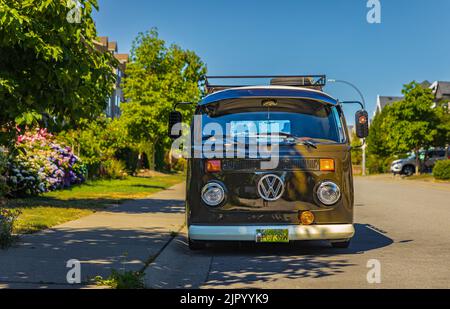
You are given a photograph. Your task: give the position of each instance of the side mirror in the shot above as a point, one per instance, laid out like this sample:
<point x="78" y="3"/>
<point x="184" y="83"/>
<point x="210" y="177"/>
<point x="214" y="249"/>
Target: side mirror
<point x="362" y="123"/>
<point x="174" y="118"/>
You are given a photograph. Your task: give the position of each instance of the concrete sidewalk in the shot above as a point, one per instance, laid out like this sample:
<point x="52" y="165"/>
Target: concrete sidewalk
<point x="123" y="236"/>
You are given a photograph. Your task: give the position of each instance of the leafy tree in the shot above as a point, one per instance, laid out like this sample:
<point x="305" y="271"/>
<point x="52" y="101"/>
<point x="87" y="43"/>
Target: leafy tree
<point x="356" y="149"/>
<point x="411" y="124"/>
<point x="50" y="66"/>
<point x="158" y="77"/>
<point x="377" y="139"/>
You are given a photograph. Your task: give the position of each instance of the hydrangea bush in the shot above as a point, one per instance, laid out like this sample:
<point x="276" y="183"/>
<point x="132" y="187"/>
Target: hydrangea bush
<point x="42" y="165"/>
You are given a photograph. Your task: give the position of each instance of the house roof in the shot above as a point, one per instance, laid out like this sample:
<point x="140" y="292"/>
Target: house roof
<point x="441" y="89"/>
<point x="103" y="40"/>
<point x="112" y="46"/>
<point x="383" y="101"/>
<point x="269" y="92"/>
<point x="123" y="58"/>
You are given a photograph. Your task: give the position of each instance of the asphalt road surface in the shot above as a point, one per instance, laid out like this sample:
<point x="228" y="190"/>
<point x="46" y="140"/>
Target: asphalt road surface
<point x="405" y="225"/>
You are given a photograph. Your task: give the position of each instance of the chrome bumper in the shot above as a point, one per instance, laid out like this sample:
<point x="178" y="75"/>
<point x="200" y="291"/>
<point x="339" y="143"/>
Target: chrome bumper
<point x="248" y="232"/>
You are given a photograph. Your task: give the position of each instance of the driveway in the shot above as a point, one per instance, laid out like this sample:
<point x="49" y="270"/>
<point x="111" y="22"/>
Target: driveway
<point x="402" y="224"/>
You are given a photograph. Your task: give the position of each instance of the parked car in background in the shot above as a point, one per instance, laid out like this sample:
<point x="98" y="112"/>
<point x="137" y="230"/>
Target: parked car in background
<point x="407" y="166"/>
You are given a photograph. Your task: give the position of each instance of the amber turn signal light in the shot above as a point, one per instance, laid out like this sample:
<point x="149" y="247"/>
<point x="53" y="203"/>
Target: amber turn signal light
<point x="213" y="166"/>
<point x="307" y="218"/>
<point x="327" y="165"/>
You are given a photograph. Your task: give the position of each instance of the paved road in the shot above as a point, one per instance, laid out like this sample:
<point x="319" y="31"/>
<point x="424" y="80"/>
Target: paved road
<point x="403" y="224"/>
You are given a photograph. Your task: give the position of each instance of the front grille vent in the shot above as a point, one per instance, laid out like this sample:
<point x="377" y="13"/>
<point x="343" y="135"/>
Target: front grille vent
<point x="285" y="164"/>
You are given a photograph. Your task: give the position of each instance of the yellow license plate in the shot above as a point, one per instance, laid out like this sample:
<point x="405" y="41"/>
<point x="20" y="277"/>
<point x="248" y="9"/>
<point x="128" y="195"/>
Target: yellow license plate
<point x="272" y="235"/>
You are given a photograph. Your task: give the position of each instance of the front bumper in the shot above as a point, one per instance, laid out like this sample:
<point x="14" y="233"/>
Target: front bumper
<point x="248" y="232"/>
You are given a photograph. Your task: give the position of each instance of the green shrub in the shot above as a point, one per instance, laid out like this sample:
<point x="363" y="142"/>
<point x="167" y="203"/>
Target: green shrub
<point x="114" y="169"/>
<point x="7" y="219"/>
<point x="378" y="165"/>
<point x="180" y="164"/>
<point x="4" y="189"/>
<point x="98" y="141"/>
<point x="441" y="170"/>
<point x="123" y="280"/>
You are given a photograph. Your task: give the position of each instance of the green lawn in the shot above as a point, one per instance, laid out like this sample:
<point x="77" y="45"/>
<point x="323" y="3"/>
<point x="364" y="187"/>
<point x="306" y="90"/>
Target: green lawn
<point x="57" y="207"/>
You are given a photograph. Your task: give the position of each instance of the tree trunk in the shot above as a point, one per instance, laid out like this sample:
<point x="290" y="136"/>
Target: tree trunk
<point x="417" y="162"/>
<point x="152" y="160"/>
<point x="140" y="160"/>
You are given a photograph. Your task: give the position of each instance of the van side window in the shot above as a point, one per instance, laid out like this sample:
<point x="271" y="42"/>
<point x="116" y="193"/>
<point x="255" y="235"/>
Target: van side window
<point x="338" y="120"/>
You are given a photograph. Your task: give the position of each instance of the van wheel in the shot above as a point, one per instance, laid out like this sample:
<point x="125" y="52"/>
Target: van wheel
<point x="341" y="244"/>
<point x="196" y="244"/>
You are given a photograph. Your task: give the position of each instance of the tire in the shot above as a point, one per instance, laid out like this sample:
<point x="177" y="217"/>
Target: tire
<point x="341" y="244"/>
<point x="409" y="170"/>
<point x="196" y="244"/>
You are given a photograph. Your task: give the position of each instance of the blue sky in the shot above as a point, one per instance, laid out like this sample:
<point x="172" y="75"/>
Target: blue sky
<point x="298" y="37"/>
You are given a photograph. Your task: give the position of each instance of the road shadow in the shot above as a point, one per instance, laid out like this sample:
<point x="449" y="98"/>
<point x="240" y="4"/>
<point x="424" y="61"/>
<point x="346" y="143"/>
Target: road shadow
<point x="251" y="263"/>
<point x="366" y="238"/>
<point x="142" y="205"/>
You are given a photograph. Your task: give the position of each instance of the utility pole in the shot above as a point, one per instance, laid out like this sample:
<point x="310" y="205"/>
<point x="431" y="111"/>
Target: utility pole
<point x="363" y="162"/>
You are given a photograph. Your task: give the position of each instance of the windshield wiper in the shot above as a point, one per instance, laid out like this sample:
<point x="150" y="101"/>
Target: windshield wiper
<point x="309" y="143"/>
<point x="304" y="141"/>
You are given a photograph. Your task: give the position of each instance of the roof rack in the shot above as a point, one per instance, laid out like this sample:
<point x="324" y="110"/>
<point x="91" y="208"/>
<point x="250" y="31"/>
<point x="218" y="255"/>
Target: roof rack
<point x="309" y="81"/>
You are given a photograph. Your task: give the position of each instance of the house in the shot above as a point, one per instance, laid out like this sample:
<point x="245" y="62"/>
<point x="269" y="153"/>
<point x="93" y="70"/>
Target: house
<point x="441" y="91"/>
<point x="113" y="107"/>
<point x="383" y="101"/>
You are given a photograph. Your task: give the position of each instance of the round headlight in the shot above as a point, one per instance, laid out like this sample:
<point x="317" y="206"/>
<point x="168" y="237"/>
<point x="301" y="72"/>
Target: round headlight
<point x="213" y="194"/>
<point x="328" y="193"/>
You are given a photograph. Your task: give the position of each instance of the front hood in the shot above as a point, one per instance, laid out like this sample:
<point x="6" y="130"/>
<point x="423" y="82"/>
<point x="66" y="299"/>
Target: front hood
<point x="398" y="161"/>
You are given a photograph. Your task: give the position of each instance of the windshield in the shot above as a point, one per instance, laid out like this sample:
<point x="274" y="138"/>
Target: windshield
<point x="323" y="126"/>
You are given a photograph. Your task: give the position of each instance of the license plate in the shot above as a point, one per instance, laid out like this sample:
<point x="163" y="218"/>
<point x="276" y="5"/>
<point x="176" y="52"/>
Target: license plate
<point x="272" y="235"/>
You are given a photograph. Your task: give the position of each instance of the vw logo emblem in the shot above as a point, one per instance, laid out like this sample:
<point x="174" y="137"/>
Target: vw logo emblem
<point x="270" y="187"/>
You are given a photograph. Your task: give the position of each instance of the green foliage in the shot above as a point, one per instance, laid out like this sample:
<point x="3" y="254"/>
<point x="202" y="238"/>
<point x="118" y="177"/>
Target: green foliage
<point x="4" y="189"/>
<point x="158" y="77"/>
<point x="98" y="141"/>
<point x="114" y="169"/>
<point x="180" y="164"/>
<point x="377" y="139"/>
<point x="7" y="220"/>
<point x="356" y="149"/>
<point x="379" y="164"/>
<point x="50" y="66"/>
<point x="123" y="280"/>
<point x="411" y="124"/>
<point x="441" y="170"/>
